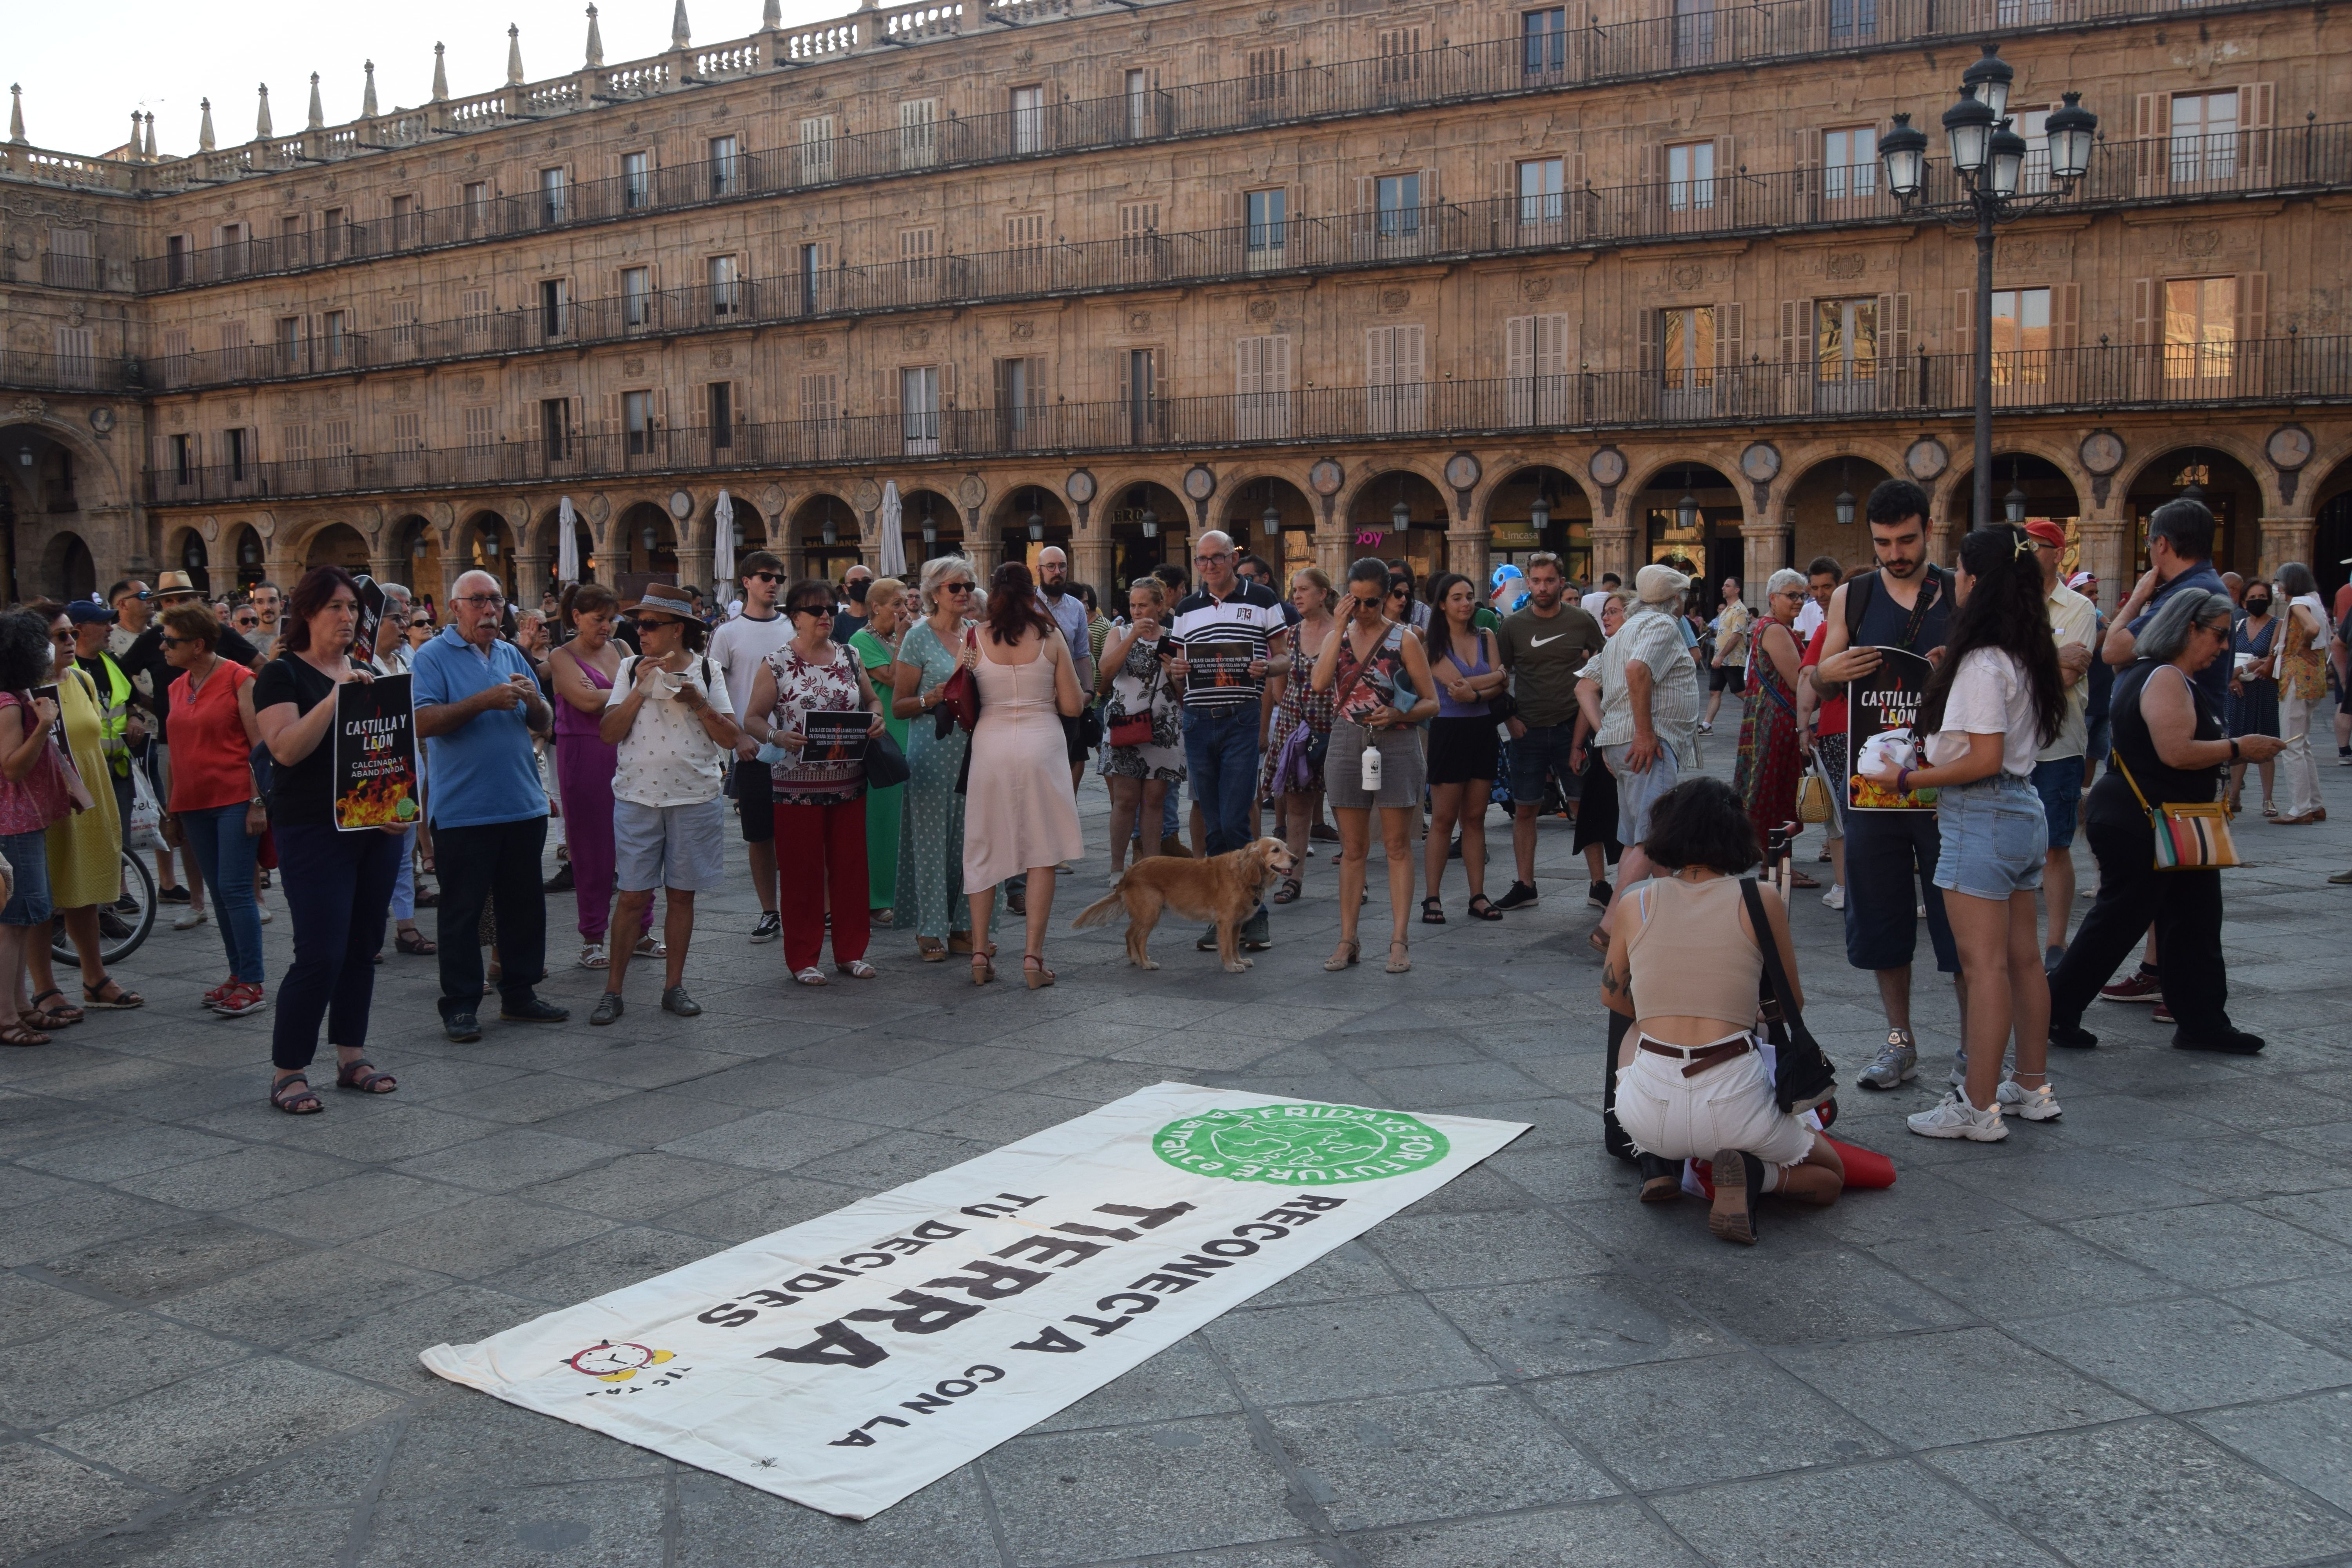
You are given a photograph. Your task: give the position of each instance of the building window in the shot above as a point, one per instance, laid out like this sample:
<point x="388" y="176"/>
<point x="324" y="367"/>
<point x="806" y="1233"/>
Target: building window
<point x="918" y="144"/>
<point x="555" y="428"/>
<point x="814" y="260"/>
<point x="919" y="408"/>
<point x="1138" y="389"/>
<point x="2021" y="336"/>
<point x="1542" y="187"/>
<point x="183" y="458"/>
<point x="820" y="396"/>
<point x="1690" y="176"/>
<point x="916" y="249"/>
<point x="1024" y="238"/>
<point x="477" y="205"/>
<point x="289" y="343"/>
<point x="175" y="259"/>
<point x="1535" y="363"/>
<point x="1694" y="31"/>
<point x="2204" y="135"/>
<point x="1016" y="394"/>
<point x="1262" y="388"/>
<point x="1845" y="340"/>
<point x="336" y="448"/>
<point x="1399" y="56"/>
<point x="294" y="444"/>
<point x="726" y="165"/>
<point x="1028" y="120"/>
<point x="719" y="409"/>
<point x="481" y="430"/>
<point x="726" y="286"/>
<point x="332" y="224"/>
<point x="336" y="327"/>
<point x="636" y="296"/>
<point x="405" y="434"/>
<point x="636" y="422"/>
<point x="1394" y="372"/>
<point x="474" y="313"/>
<point x="1545" y="40"/>
<point x="554" y="308"/>
<point x="1855" y="22"/>
<point x="2201" y="326"/>
<point x="1850" y="162"/>
<point x="1686" y="347"/>
<point x="404" y="326"/>
<point x="1268" y="216"/>
<point x="407" y="225"/>
<point x="554" y="204"/>
<point x="71" y="264"/>
<point x="636" y="182"/>
<point x="175" y="354"/>
<point x="1268" y="83"/>
<point x="817" y="149"/>
<point x="1397" y="200"/>
<point x="237" y="449"/>
<point x="1137" y="223"/>
<point x="1137" y="91"/>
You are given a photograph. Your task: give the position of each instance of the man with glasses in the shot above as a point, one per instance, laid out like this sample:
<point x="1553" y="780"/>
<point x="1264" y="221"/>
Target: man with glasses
<point x="1234" y="628"/>
<point x="247" y="622"/>
<point x="1069" y="612"/>
<point x="739" y="649"/>
<point x="477" y="707"/>
<point x="848" y="621"/>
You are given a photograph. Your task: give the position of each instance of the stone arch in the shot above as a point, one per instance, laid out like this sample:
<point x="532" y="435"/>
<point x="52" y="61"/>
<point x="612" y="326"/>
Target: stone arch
<point x="184" y="550"/>
<point x="335" y="543"/>
<point x="1717" y="547"/>
<point x="2237" y="445"/>
<point x="2234" y="489"/>
<point x="1808" y="503"/>
<point x="625" y="545"/>
<point x="246" y="555"/>
<point x="1372" y="471"/>
<point x="94" y="464"/>
<point x="806" y="552"/>
<point x="1119" y="512"/>
<point x="1006" y="519"/>
<point x="917" y="502"/>
<point x="1367" y="515"/>
<point x="69" y="570"/>
<point x="486" y="542"/>
<point x="2049" y="487"/>
<point x="413" y="546"/>
<point x="1504" y="507"/>
<point x="1953" y="489"/>
<point x="1239" y="508"/>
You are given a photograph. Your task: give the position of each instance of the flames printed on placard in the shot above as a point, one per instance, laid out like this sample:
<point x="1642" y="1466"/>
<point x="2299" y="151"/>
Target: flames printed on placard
<point x="388" y="801"/>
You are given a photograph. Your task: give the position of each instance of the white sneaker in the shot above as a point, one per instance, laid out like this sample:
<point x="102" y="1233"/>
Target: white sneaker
<point x="2032" y="1104"/>
<point x="265" y="916"/>
<point x="190" y="920"/>
<point x="1835" y="897"/>
<point x="1954" y="1117"/>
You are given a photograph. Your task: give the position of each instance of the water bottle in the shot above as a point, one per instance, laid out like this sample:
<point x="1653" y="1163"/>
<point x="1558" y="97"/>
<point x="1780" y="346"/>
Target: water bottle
<point x="1372" y="766"/>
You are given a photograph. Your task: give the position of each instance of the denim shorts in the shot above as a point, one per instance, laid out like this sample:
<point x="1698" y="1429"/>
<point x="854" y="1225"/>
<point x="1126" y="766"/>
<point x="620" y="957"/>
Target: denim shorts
<point x="1544" y="749"/>
<point x="2059" y="783"/>
<point x="29" y="865"/>
<point x="1994" y="834"/>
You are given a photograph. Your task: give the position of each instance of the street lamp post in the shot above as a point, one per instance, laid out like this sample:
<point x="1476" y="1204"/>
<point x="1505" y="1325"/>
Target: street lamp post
<point x="1988" y="158"/>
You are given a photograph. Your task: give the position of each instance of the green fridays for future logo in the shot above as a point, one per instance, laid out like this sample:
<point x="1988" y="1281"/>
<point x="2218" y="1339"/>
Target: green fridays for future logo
<point x="1301" y="1145"/>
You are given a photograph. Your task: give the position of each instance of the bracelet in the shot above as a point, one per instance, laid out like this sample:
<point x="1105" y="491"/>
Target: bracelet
<point x="1902" y="777"/>
<point x="2234" y="749"/>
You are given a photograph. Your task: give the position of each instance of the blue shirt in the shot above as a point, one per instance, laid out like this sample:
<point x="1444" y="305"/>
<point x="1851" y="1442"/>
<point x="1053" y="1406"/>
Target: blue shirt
<point x="2213" y="680"/>
<point x="484" y="770"/>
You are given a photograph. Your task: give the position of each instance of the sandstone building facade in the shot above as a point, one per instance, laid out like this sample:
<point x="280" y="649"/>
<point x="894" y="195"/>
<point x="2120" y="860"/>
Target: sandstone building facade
<point x="1341" y="277"/>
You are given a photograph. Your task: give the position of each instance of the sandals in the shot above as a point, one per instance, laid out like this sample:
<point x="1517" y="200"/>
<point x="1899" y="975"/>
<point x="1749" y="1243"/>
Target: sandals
<point x="811" y="975"/>
<point x="1400" y="966"/>
<point x="1598" y="941"/>
<point x="56" y="1018"/>
<point x="982" y="971"/>
<point x="22" y="1035"/>
<point x="361" y="1078"/>
<point x="415" y="942"/>
<point x="294" y="1096"/>
<point x="120" y="1001"/>
<point x="930" y="951"/>
<point x="2269" y="808"/>
<point x="1344" y="957"/>
<point x="1289" y="891"/>
<point x="592" y="957"/>
<point x="1482" y="908"/>
<point x="857" y="969"/>
<point x="1432" y="911"/>
<point x="1038" y="978"/>
<point x="651" y="946"/>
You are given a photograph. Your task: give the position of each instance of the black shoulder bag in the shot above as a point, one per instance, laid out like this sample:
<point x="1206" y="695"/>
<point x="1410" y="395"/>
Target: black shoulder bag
<point x="1802" y="1078"/>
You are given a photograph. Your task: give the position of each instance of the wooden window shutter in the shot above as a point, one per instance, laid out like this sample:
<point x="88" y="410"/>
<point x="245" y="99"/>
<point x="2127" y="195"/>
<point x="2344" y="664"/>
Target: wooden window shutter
<point x="1731" y="334"/>
<point x="2152" y="130"/>
<point x="885" y="391"/>
<point x="1653" y="161"/>
<point x="1428" y="194"/>
<point x="1246" y="372"/>
<point x="2066" y="316"/>
<point x="1793" y="314"/>
<point x="1277" y="369"/>
<point x="2253" y="306"/>
<point x="946" y="381"/>
<point x="1727" y="157"/>
<point x="1894" y="328"/>
<point x="1551" y="345"/>
<point x="1410" y="365"/>
<point x="1366" y="196"/>
<point x="1380" y="356"/>
<point x="1964" y="320"/>
<point x="2145" y="323"/>
<point x="2254" y="133"/>
<point x="1645" y="334"/>
<point x="1575" y="171"/>
<point x="1518" y="347"/>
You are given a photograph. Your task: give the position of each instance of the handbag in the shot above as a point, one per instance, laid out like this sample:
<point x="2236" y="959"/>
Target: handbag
<point x="1813" y="803"/>
<point x="2190" y="836"/>
<point x="1135" y="729"/>
<point x="959" y="702"/>
<point x="886" y="764"/>
<point x="1802" y="1077"/>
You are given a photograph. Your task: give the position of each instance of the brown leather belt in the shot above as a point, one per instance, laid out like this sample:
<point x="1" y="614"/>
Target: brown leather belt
<point x="1698" y="1059"/>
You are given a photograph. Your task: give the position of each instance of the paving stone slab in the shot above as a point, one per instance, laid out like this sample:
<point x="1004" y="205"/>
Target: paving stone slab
<point x="2187" y="1354"/>
<point x="1686" y="1423"/>
<point x="1179" y="1486"/>
<point x="1861" y="1517"/>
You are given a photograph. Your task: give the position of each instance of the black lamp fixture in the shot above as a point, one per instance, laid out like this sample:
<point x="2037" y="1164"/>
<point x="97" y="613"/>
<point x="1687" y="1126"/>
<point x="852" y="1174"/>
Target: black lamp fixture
<point x="649" y="537"/>
<point x="2013" y="505"/>
<point x="24" y="456"/>
<point x="931" y="527"/>
<point x="1539" y="515"/>
<point x="1147" y="520"/>
<point x="1036" y="519"/>
<point x="1686" y="508"/>
<point x="1399" y="515"/>
<point x="826" y="531"/>
<point x="191" y="554"/>
<point x="1272" y="516"/>
<point x="249" y="552"/>
<point x="1844" y="503"/>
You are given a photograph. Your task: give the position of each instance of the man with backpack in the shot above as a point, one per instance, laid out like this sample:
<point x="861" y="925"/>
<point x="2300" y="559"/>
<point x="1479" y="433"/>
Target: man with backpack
<point x="1890" y="856"/>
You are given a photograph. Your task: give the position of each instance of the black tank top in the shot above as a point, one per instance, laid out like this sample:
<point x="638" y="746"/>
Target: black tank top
<point x="2158" y="782"/>
<point x="1884" y="618"/>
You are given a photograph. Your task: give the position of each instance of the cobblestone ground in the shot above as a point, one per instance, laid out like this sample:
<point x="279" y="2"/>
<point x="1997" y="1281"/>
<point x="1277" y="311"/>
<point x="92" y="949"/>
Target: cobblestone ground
<point x="2125" y="1337"/>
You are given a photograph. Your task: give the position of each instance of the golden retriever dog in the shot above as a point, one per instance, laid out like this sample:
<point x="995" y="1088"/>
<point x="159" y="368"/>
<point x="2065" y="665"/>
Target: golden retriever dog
<point x="1223" y="888"/>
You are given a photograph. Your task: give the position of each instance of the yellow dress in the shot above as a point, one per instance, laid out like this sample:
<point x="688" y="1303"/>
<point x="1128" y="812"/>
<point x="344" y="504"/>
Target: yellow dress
<point x="86" y="848"/>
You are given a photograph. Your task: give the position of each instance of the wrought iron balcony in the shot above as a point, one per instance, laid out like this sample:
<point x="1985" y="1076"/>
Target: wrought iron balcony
<point x="2159" y="169"/>
<point x="21" y="369"/>
<point x="2105" y="378"/>
<point x="1729" y="38"/>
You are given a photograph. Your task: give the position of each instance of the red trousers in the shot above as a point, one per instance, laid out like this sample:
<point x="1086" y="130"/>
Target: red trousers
<point x="821" y="849"/>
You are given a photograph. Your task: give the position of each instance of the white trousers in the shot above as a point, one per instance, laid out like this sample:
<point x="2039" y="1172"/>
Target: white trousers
<point x="2302" y="773"/>
<point x="1727" y="1106"/>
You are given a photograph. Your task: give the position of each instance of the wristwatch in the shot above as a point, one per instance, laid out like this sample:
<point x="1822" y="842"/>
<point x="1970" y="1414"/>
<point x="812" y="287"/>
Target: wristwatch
<point x="2233" y="750"/>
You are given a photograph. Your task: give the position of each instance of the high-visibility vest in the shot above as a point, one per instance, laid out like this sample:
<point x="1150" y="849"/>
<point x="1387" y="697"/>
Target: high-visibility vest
<point x="116" y="715"/>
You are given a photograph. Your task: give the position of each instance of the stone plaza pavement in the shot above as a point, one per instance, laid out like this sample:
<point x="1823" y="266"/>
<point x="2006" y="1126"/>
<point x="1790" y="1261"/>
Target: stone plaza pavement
<point x="2124" y="1338"/>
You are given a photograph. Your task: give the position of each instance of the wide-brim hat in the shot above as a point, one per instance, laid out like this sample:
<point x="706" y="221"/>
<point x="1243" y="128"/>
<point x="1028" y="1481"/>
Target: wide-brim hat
<point x="171" y="583"/>
<point x="665" y="600"/>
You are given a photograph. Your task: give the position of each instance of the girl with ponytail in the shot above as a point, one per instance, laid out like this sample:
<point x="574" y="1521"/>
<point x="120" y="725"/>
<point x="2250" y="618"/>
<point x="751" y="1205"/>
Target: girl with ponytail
<point x="1996" y="699"/>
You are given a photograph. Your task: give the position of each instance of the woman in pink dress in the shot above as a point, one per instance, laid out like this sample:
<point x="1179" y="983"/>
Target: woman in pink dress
<point x="583" y="670"/>
<point x="1020" y="813"/>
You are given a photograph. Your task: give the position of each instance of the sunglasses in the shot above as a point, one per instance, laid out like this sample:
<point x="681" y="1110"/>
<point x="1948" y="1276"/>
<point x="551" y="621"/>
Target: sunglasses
<point x="61" y="636"/>
<point x="825" y="610"/>
<point x="956" y="587"/>
<point x="763" y="577"/>
<point x="420" y="624"/>
<point x="168" y="641"/>
<point x="247" y="623"/>
<point x="653" y="623"/>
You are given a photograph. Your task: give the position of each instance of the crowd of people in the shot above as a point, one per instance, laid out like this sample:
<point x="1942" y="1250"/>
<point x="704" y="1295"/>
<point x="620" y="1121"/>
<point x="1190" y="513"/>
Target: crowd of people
<point x="904" y="756"/>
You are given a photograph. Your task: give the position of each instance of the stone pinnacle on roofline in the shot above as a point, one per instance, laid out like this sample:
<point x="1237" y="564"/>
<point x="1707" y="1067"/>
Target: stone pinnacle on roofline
<point x="367" y="101"/>
<point x="16" y="114"/>
<point x="317" y="112"/>
<point x="678" y="29"/>
<point x="205" y="131"/>
<point x="514" y="54"/>
<point x="151" y="136"/>
<point x="596" y="41"/>
<point x="440" y="75"/>
<point x="261" y="132"/>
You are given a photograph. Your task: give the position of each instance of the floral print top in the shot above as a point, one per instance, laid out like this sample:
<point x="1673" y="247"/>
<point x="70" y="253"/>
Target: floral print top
<point x="801" y="688"/>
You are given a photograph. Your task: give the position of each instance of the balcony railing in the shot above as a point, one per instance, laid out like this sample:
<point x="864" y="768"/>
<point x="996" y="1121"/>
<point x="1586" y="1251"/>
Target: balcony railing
<point x="2106" y="377"/>
<point x="1729" y="39"/>
<point x="2187" y="168"/>
<point x="20" y="368"/>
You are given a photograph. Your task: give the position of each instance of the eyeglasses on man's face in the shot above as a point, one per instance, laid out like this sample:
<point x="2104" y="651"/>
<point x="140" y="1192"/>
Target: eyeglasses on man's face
<point x="484" y="601"/>
<point x="1212" y="560"/>
<point x="65" y="636"/>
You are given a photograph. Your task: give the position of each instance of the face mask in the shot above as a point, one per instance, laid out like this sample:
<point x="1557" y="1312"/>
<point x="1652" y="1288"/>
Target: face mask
<point x="2258" y="606"/>
<point x="857" y="592"/>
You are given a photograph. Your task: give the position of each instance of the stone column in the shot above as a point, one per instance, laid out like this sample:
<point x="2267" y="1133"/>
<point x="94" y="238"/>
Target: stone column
<point x="693" y="564"/>
<point x="2288" y="539"/>
<point x="531" y="568"/>
<point x="1091" y="561"/>
<point x="1613" y="550"/>
<point x="981" y="546"/>
<point x="385" y="568"/>
<point x="2105" y="541"/>
<point x="1465" y="552"/>
<point x="1764" y="549"/>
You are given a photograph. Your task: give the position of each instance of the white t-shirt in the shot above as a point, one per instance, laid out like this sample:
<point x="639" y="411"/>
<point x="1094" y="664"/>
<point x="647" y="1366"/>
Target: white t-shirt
<point x="739" y="646"/>
<point x="1592" y="602"/>
<point x="1809" y="620"/>
<point x="1989" y="696"/>
<point x="667" y="758"/>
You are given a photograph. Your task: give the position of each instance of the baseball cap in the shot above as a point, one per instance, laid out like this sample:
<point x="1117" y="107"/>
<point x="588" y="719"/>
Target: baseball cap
<point x="2048" y="533"/>
<point x="82" y="613"/>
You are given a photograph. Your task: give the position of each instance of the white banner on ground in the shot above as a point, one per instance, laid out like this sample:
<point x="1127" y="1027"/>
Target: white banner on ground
<point x="853" y="1360"/>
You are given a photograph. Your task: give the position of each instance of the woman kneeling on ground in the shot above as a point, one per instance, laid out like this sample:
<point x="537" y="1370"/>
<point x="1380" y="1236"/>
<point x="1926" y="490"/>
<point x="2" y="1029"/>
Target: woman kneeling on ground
<point x="1684" y="964"/>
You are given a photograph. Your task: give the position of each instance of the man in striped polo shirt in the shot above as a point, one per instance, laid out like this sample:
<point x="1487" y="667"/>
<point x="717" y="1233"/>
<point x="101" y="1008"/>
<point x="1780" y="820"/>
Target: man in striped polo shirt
<point x="1226" y="630"/>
